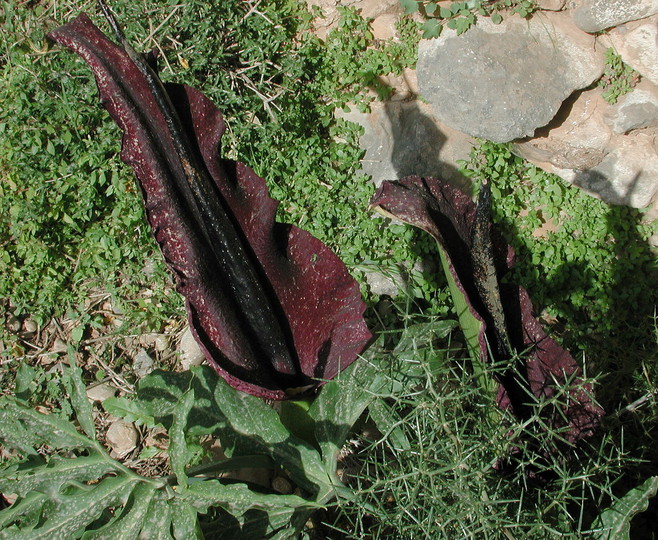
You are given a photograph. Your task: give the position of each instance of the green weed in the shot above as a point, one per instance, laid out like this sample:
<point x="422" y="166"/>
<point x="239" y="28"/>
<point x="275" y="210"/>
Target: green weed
<point x="461" y="16"/>
<point x="71" y="219"/>
<point x="618" y="78"/>
<point x="586" y="264"/>
<point x="432" y="463"/>
<point x="591" y="273"/>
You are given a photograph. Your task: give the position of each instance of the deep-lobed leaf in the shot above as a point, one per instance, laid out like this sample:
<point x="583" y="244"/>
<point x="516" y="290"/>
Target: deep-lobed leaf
<point x="129" y="520"/>
<point x="25" y="510"/>
<point x="265" y="513"/>
<point x="25" y="429"/>
<point x="245" y="424"/>
<point x="70" y="512"/>
<point x="62" y="497"/>
<point x="52" y="476"/>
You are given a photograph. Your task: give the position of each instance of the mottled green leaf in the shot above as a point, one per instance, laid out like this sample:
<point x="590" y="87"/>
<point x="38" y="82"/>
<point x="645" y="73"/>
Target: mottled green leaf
<point x="37" y="476"/>
<point x="130" y="410"/>
<point x="27" y="510"/>
<point x="130" y="519"/>
<point x="615" y="522"/>
<point x="157" y="525"/>
<point x="184" y="520"/>
<point x="69" y="513"/>
<point x="25" y="429"/>
<point x="160" y="391"/>
<point x="256" y="427"/>
<point x="266" y="513"/>
<point x="342" y="401"/>
<point x="238" y="498"/>
<point x="179" y="452"/>
<point x="78" y="396"/>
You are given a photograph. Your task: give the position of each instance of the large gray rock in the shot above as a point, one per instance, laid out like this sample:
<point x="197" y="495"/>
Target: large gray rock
<point x="502" y="82"/>
<point x="596" y="15"/>
<point x="628" y="174"/>
<point x="576" y="138"/>
<point x="403" y="138"/>
<point x="636" y="110"/>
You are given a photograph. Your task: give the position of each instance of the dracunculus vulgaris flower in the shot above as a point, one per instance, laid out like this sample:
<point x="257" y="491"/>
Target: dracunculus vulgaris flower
<point x="498" y="315"/>
<point x="274" y="310"/>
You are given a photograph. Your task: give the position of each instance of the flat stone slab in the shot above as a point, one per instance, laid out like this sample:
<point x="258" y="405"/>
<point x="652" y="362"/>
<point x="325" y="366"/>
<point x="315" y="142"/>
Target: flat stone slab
<point x="577" y="138"/>
<point x="596" y="15"/>
<point x="502" y="82"/>
<point x="636" y="110"/>
<point x="637" y="43"/>
<point x="627" y="175"/>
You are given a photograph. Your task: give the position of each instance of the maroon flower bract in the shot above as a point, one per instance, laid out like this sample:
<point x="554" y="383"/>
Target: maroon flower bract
<point x="314" y="299"/>
<point x="449" y="215"/>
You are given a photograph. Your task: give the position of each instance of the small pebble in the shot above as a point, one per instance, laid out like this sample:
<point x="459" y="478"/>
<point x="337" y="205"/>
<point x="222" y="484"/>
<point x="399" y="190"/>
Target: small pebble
<point x="101" y="392"/>
<point x="59" y="346"/>
<point x="161" y="343"/>
<point x="149" y="268"/>
<point x="30" y="326"/>
<point x="13" y="324"/>
<point x="143" y="364"/>
<point x="122" y="437"/>
<point x="190" y="353"/>
<point x="146" y="340"/>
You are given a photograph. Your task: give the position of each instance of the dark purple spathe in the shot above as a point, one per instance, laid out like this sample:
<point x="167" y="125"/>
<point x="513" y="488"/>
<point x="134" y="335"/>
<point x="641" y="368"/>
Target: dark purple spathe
<point x="317" y="302"/>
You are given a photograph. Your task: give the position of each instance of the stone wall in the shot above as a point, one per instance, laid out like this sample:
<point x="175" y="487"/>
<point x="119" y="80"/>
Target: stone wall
<point x="532" y="82"/>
